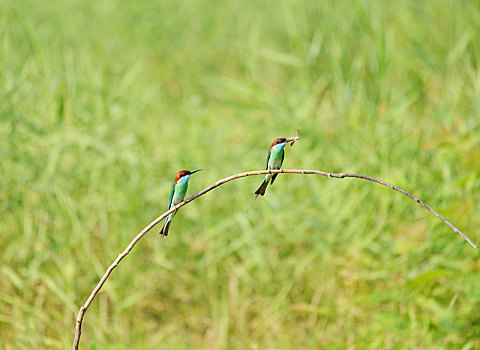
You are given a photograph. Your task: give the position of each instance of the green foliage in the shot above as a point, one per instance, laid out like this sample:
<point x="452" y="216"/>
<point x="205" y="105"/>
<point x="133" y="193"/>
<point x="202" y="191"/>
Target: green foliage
<point x="101" y="102"/>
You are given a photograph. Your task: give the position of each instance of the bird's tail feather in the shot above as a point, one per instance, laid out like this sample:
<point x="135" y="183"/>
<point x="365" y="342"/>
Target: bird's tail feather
<point x="273" y="178"/>
<point x="156" y="248"/>
<point x="263" y="187"/>
<point x="163" y="232"/>
<point x="166" y="227"/>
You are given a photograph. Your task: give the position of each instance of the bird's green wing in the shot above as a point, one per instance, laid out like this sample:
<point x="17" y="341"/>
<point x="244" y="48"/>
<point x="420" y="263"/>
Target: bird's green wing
<point x="170" y="198"/>
<point x="281" y="162"/>
<point x="268" y="158"/>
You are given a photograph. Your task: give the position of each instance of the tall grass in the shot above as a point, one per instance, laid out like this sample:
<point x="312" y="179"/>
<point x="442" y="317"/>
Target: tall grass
<point x="101" y="102"/>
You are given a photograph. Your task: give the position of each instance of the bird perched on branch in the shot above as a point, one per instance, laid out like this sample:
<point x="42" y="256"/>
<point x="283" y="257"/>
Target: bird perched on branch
<point x="275" y="157"/>
<point x="177" y="194"/>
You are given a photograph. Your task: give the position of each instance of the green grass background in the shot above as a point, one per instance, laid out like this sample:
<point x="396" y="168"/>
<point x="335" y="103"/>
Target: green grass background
<point x="102" y="102"/>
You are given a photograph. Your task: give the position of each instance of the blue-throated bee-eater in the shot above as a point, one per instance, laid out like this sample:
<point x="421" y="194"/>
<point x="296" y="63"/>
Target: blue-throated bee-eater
<point x="177" y="194"/>
<point x="275" y="157"/>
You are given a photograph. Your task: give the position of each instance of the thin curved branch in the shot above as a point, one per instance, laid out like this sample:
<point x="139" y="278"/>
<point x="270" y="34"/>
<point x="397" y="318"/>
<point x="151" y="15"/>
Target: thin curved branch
<point x="102" y="281"/>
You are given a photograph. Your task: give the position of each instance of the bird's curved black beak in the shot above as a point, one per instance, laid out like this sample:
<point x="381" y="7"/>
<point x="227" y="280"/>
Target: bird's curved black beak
<point x="194" y="171"/>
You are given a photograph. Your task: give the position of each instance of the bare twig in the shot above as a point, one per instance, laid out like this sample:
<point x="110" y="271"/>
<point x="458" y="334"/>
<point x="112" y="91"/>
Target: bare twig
<point x="102" y="281"/>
